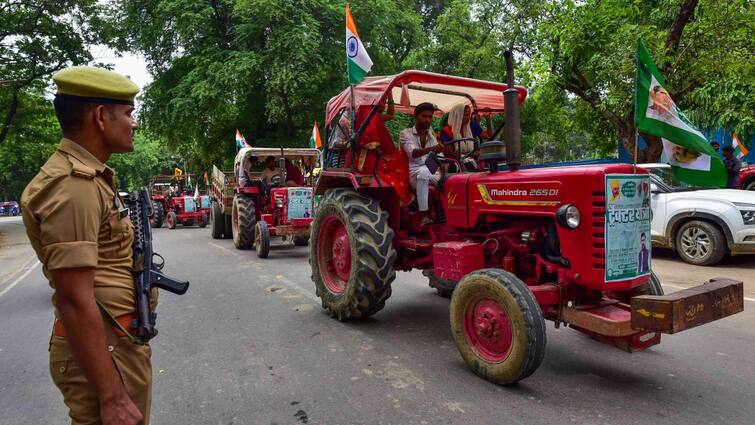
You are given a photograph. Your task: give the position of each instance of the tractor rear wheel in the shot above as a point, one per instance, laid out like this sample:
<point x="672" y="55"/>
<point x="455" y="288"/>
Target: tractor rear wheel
<point x="302" y="240"/>
<point x="156" y="220"/>
<point x="171" y="219"/>
<point x="351" y="254"/>
<point x="749" y="185"/>
<point x="262" y="239"/>
<point x="497" y="326"/>
<point x="217" y="221"/>
<point x="244" y="217"/>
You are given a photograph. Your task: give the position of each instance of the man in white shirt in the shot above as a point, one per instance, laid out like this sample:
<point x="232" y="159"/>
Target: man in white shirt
<point x="417" y="143"/>
<point x="271" y="169"/>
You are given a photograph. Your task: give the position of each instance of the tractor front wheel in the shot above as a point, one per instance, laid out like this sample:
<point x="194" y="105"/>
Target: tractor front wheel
<point x="262" y="239"/>
<point x="217" y="221"/>
<point x="351" y="254"/>
<point x="497" y="326"/>
<point x="202" y="222"/>
<point x="302" y="240"/>
<point x="228" y="226"/>
<point x="171" y="219"/>
<point x="244" y="217"/>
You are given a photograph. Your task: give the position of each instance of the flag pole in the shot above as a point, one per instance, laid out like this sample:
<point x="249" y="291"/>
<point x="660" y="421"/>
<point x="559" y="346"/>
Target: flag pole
<point x="352" y="141"/>
<point x="636" y="148"/>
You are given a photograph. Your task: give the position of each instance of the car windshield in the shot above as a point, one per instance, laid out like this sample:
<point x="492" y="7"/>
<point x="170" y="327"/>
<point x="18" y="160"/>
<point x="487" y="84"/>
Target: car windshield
<point x="667" y="177"/>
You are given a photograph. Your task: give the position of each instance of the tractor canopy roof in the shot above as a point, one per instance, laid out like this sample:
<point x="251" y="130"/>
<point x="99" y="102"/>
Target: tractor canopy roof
<point x="308" y="156"/>
<point x="410" y="88"/>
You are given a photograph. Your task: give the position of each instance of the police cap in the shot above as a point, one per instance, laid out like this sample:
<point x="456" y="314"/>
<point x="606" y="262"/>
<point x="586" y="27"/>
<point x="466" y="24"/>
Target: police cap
<point x="95" y="85"/>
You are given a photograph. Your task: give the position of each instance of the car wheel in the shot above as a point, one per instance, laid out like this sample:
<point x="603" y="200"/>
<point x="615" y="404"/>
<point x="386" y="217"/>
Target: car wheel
<point x="749" y="185"/>
<point x="700" y="243"/>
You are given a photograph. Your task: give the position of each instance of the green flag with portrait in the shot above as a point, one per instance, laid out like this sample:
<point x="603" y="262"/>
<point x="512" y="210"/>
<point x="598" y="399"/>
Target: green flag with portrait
<point x="691" y="157"/>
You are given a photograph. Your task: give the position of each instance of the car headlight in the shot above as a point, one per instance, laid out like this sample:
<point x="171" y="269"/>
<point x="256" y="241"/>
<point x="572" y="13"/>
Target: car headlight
<point x="568" y="216"/>
<point x="748" y="216"/>
<point x="747" y="211"/>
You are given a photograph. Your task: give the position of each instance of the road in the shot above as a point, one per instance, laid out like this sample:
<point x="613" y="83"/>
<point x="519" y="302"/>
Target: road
<point x="249" y="344"/>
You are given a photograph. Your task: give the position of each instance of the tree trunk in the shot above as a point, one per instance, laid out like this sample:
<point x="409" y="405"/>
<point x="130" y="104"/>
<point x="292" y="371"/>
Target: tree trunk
<point x="675" y="34"/>
<point x="9" y="116"/>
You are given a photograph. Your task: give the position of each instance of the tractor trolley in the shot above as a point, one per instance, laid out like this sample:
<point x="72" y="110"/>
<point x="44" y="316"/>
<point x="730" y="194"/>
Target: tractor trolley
<point x="511" y="245"/>
<point x="255" y="213"/>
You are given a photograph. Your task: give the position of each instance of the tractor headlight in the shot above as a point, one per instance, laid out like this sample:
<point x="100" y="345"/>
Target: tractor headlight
<point x="568" y="216"/>
<point x="279" y="203"/>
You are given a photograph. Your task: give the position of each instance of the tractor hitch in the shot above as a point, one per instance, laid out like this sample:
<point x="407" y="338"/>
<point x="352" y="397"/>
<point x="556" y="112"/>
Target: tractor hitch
<point x="682" y="310"/>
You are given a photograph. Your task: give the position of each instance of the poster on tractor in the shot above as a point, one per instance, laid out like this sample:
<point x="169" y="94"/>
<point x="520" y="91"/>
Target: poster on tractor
<point x="627" y="228"/>
<point x="299" y="202"/>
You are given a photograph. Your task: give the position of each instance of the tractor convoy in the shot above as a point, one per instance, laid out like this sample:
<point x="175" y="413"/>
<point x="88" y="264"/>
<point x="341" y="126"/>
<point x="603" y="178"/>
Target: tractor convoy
<point x="174" y="205"/>
<point x="512" y="245"/>
<point x="252" y="207"/>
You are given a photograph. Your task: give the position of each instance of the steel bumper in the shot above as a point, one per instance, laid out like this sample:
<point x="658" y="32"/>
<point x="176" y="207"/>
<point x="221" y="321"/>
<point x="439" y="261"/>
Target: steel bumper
<point x="682" y="310"/>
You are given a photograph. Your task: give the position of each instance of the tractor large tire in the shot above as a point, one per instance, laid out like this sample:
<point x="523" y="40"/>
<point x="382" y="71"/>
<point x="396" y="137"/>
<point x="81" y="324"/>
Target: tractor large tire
<point x="244" y="219"/>
<point x="497" y="326"/>
<point x="156" y="220"/>
<point x="202" y="222"/>
<point x="172" y="220"/>
<point x="262" y="239"/>
<point x="700" y="243"/>
<point x="228" y="226"/>
<point x="217" y="221"/>
<point x="351" y="254"/>
<point x="749" y="185"/>
<point x="302" y="240"/>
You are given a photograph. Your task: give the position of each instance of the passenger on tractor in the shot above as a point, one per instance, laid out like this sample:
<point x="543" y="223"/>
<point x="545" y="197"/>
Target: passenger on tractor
<point x="460" y="125"/>
<point x="377" y="155"/>
<point x="418" y="142"/>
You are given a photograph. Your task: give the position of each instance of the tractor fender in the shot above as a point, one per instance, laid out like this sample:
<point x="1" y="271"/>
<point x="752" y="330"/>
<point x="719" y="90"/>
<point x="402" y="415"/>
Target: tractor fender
<point x="335" y="179"/>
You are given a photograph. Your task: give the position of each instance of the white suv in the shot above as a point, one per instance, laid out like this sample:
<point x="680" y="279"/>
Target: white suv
<point x="702" y="225"/>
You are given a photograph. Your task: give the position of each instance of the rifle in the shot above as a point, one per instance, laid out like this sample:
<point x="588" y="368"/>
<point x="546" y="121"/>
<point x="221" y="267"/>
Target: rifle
<point x="147" y="273"/>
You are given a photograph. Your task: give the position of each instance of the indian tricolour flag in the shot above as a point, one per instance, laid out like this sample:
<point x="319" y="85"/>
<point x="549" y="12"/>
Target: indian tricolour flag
<point x="240" y="140"/>
<point x="315" y="141"/>
<point x="358" y="62"/>
<point x="691" y="157"/>
<point x="740" y="150"/>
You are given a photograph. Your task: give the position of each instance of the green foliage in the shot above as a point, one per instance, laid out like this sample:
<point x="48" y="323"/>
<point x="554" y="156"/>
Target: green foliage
<point x="27" y="147"/>
<point x="38" y="38"/>
<point x="149" y="158"/>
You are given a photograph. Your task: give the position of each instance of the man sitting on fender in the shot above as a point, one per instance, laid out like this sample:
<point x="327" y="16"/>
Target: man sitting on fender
<point x="418" y="142"/>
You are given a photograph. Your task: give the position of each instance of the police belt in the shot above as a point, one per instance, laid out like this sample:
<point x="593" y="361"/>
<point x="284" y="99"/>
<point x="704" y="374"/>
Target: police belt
<point x="124" y="322"/>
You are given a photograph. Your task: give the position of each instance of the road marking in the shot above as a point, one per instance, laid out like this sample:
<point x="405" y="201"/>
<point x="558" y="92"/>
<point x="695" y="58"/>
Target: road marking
<point x="752" y="300"/>
<point x="20" y="278"/>
<point x="19" y="270"/>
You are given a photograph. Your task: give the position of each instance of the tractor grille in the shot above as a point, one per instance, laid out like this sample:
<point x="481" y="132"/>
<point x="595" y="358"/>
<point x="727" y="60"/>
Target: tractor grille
<point x="597" y="223"/>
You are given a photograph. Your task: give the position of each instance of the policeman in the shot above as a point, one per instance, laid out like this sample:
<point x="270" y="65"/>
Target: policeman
<point x="82" y="235"/>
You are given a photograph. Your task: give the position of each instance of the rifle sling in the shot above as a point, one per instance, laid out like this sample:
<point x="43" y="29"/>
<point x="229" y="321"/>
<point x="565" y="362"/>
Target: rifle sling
<point x="109" y="319"/>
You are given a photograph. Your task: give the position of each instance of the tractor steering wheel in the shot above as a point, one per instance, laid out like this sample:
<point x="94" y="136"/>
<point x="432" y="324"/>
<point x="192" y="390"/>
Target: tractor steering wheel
<point x="457" y="141"/>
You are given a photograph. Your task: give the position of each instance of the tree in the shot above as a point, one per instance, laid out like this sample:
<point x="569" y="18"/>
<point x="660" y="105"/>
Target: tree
<point x="40" y="37"/>
<point x="703" y="49"/>
<point x="149" y="158"/>
<point x="265" y="67"/>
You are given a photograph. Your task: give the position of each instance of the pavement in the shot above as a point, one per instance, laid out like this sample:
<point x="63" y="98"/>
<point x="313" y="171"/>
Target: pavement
<point x="250" y="344"/>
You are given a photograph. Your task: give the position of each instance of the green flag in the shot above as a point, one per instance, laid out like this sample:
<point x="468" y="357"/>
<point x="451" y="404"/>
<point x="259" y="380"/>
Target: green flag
<point x="692" y="159"/>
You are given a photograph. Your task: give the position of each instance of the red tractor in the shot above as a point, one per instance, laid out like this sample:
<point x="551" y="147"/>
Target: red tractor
<point x="512" y="245"/>
<point x="252" y="210"/>
<point x="175" y="204"/>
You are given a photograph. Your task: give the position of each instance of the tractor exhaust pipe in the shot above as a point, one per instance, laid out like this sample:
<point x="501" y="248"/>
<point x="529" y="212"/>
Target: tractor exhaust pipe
<point x="512" y="131"/>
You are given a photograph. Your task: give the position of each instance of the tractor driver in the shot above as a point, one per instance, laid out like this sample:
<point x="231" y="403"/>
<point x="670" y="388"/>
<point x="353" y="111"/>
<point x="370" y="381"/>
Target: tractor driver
<point x="418" y="142"/>
<point x="271" y="170"/>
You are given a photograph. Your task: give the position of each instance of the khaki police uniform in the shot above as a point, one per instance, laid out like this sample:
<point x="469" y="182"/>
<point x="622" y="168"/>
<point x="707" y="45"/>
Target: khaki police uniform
<point x="74" y="218"/>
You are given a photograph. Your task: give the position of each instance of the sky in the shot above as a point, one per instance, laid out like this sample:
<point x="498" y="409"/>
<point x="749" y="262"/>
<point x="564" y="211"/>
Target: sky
<point x="128" y="64"/>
